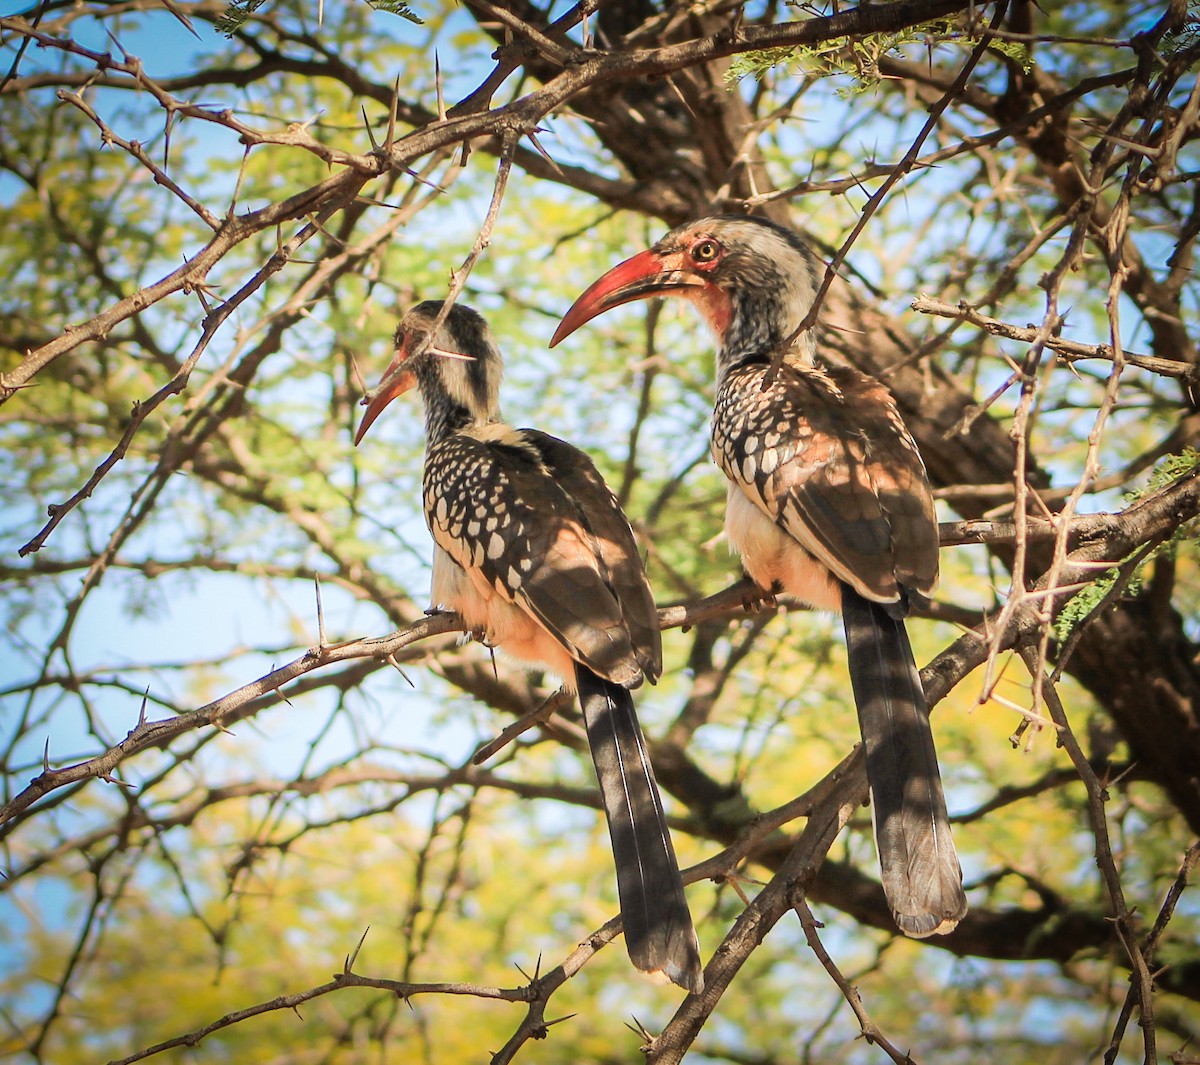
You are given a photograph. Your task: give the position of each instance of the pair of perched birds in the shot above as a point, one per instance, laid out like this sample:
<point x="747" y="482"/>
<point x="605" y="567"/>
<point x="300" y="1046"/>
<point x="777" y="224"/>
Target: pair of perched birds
<point x="828" y="501"/>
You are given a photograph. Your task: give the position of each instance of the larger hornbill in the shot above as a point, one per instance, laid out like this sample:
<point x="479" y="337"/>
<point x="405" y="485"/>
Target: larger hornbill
<point x="828" y="500"/>
<point x="534" y="553"/>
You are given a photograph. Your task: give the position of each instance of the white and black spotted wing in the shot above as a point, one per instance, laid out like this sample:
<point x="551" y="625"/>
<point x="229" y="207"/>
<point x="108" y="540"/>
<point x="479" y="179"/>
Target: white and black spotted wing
<point x="854" y="493"/>
<point x="508" y="518"/>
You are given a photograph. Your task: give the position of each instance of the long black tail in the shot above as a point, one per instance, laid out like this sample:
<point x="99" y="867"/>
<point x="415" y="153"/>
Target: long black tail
<point x="659" y="934"/>
<point x="919" y="867"/>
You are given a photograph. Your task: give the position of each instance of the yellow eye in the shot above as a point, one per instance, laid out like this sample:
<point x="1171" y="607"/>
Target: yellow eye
<point x="706" y="250"/>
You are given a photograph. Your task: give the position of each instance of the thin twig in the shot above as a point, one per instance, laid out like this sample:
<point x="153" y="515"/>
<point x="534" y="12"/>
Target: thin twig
<point x="870" y="1030"/>
<point x="1124" y="919"/>
<point x="901" y="168"/>
<point x="1069" y="350"/>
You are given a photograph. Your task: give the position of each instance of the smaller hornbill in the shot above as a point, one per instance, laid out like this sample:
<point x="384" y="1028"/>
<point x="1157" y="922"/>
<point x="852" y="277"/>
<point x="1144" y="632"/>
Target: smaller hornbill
<point x="828" y="501"/>
<point x="534" y="552"/>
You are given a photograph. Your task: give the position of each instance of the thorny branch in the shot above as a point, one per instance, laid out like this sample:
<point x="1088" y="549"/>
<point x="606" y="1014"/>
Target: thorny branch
<point x="1182" y="498"/>
<point x="1108" y="537"/>
<point x="1124" y="918"/>
<point x="335" y="192"/>
<point x="1069" y="350"/>
<point x="850" y="993"/>
<point x="345" y="979"/>
<point x="895" y="175"/>
<point x="1056" y="550"/>
<point x="789" y="883"/>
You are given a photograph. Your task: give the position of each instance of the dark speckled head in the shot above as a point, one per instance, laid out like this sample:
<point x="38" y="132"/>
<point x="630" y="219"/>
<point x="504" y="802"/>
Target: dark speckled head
<point x="457" y="370"/>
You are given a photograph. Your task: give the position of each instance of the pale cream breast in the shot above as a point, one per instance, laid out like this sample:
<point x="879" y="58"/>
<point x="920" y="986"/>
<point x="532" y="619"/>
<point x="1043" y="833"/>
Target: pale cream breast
<point x="773" y="558"/>
<point x="504" y="623"/>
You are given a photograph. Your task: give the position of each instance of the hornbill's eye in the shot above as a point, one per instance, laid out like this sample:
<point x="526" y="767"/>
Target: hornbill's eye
<point x="706" y="250"/>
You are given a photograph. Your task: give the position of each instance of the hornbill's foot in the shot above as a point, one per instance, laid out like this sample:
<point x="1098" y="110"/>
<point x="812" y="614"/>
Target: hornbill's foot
<point x="757" y="598"/>
<point x="478" y="635"/>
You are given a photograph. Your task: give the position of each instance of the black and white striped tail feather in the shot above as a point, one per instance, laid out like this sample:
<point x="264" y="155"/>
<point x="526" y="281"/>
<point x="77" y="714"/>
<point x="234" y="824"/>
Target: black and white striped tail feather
<point x="919" y="866"/>
<point x="659" y="934"/>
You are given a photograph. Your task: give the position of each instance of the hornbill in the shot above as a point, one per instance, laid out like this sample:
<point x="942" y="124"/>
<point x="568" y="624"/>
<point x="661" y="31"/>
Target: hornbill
<point x="828" y="501"/>
<point x="535" y="554"/>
